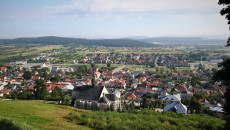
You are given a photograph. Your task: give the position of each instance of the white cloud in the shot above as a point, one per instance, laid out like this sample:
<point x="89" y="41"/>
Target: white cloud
<point x="114" y="8"/>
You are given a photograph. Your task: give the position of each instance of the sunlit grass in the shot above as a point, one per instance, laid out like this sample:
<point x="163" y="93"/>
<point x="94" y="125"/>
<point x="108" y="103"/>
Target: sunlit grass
<point x="38" y="114"/>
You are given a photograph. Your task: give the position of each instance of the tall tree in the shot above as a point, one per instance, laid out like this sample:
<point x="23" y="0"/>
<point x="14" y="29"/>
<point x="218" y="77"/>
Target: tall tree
<point x="40" y="89"/>
<point x="224" y="73"/>
<point x="226" y="11"/>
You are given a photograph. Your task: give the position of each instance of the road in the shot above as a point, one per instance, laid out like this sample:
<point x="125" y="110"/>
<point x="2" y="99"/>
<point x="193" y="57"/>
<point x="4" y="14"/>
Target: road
<point x="118" y="69"/>
<point x="156" y="61"/>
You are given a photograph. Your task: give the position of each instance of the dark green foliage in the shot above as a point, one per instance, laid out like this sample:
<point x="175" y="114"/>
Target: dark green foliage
<point x="145" y="119"/>
<point x="21" y="95"/>
<point x="27" y="75"/>
<point x="223" y="75"/>
<point x="56" y="94"/>
<point x="108" y="65"/>
<point x="40" y="89"/>
<point x="8" y="125"/>
<point x="49" y="40"/>
<point x="93" y="65"/>
<point x="196" y="105"/>
<point x="196" y="81"/>
<point x="55" y="79"/>
<point x="225" y="11"/>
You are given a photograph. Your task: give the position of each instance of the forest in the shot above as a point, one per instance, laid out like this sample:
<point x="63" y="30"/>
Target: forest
<point x="51" y="40"/>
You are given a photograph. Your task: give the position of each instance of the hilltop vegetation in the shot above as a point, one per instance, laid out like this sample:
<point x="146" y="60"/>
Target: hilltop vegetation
<point x="146" y="119"/>
<point x="27" y="114"/>
<point x="50" y="40"/>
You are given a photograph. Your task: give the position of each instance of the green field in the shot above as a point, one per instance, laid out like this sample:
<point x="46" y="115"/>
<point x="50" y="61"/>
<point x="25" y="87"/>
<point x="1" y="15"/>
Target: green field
<point x="36" y="114"/>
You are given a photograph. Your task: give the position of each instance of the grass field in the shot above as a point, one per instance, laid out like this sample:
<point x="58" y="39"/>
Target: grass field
<point x="49" y="47"/>
<point x="39" y="115"/>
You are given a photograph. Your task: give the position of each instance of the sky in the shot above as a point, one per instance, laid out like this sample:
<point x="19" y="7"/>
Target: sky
<point x="111" y="18"/>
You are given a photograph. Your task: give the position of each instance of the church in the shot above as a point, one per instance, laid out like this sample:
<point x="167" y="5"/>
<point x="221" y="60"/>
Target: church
<point x="95" y="98"/>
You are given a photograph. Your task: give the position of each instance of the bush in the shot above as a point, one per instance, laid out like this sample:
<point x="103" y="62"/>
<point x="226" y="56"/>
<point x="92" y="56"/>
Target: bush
<point x="7" y="124"/>
<point x="146" y="119"/>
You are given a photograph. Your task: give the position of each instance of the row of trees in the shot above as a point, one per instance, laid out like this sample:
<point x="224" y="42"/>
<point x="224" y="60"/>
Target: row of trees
<point x="40" y="93"/>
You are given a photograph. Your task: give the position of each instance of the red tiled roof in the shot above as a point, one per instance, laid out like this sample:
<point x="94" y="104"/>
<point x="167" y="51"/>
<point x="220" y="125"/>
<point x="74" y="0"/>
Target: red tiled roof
<point x="217" y="86"/>
<point x="174" y="73"/>
<point x="132" y="96"/>
<point x="152" y="84"/>
<point x="201" y="100"/>
<point x="133" y="85"/>
<point x="4" y="91"/>
<point x="149" y="88"/>
<point x="3" y="68"/>
<point x="183" y="86"/>
<point x="35" y="77"/>
<point x="31" y="87"/>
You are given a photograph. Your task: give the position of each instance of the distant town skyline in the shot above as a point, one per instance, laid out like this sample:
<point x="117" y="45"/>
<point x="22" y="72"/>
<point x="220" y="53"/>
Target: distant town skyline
<point x="111" y="18"/>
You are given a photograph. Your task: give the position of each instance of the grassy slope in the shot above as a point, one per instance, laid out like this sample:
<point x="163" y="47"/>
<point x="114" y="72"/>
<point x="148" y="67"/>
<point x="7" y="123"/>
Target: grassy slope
<point x="38" y="114"/>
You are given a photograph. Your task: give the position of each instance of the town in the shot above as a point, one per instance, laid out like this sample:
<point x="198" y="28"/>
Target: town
<point x="169" y="81"/>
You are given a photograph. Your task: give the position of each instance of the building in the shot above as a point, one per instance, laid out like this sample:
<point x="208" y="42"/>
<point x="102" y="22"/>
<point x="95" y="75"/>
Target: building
<point x="94" y="98"/>
<point x="165" y="99"/>
<point x="177" y="107"/>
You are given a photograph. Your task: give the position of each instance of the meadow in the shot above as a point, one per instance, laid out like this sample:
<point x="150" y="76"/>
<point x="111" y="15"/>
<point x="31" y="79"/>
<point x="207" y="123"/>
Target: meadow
<point x="26" y="114"/>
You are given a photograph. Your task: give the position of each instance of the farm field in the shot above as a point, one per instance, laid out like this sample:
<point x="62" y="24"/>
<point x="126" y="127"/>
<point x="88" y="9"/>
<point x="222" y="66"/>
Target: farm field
<point x="39" y="115"/>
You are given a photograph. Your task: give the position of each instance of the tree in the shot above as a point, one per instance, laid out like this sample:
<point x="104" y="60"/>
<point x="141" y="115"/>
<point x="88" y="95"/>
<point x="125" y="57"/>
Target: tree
<point x="55" y="79"/>
<point x="56" y="94"/>
<point x="40" y="89"/>
<point x="27" y="75"/>
<point x="223" y="75"/>
<point x="196" y="80"/>
<point x="226" y="11"/>
<point x="196" y="105"/>
<point x="108" y="65"/>
<point x="93" y="65"/>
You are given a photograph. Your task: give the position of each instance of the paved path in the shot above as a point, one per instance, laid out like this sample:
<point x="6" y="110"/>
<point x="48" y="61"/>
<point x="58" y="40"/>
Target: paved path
<point x="156" y="61"/>
<point x="118" y="69"/>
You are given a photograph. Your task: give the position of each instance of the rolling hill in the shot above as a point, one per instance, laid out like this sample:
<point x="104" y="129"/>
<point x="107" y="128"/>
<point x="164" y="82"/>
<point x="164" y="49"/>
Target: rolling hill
<point x="51" y="40"/>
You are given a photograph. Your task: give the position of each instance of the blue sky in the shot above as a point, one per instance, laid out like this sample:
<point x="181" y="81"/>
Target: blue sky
<point x="111" y="18"/>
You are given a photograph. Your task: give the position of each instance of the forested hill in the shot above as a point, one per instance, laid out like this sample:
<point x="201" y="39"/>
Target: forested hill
<point x="51" y="40"/>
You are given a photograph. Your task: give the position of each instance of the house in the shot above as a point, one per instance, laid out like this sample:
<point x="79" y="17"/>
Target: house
<point x="35" y="77"/>
<point x="94" y="98"/>
<point x="205" y="103"/>
<point x="186" y="94"/>
<point x="2" y="84"/>
<point x="131" y="96"/>
<point x="3" y="69"/>
<point x="165" y="99"/>
<point x="177" y="107"/>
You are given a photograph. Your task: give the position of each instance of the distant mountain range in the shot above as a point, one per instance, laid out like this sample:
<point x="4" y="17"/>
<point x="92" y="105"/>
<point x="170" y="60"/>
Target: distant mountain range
<point x="137" y="41"/>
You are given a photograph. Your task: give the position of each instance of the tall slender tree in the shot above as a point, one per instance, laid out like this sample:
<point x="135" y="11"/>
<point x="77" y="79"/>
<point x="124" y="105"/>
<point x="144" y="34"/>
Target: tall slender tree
<point x="224" y="73"/>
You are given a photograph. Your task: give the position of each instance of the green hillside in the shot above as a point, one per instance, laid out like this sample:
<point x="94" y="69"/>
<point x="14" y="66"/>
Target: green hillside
<point x="51" y="40"/>
<point x="34" y="114"/>
<point x="27" y="114"/>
